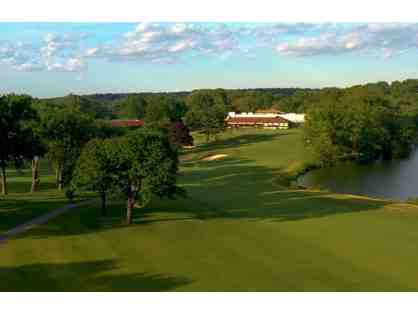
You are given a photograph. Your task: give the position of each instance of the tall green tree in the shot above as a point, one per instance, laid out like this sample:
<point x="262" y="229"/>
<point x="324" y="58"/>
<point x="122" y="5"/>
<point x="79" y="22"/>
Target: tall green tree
<point x="207" y="111"/>
<point x="147" y="165"/>
<point x="162" y="110"/>
<point x="179" y="134"/>
<point x="17" y="139"/>
<point x="96" y="169"/>
<point x="134" y="106"/>
<point x="65" y="130"/>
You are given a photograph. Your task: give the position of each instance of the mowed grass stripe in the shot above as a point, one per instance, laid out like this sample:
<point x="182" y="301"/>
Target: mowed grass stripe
<point x="239" y="230"/>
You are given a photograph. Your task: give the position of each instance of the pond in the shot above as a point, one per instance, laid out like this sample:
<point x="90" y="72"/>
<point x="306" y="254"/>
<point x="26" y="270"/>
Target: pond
<point x="396" y="179"/>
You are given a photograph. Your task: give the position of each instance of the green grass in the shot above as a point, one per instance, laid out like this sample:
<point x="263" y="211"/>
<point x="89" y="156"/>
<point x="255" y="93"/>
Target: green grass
<point x="20" y="205"/>
<point x="240" y="229"/>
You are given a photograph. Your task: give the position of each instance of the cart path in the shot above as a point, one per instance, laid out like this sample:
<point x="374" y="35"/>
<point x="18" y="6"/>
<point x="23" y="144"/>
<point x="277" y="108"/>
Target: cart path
<point x="5" y="236"/>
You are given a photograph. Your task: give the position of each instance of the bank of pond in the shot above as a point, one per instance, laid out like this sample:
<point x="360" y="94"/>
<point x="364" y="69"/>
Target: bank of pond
<point x="394" y="179"/>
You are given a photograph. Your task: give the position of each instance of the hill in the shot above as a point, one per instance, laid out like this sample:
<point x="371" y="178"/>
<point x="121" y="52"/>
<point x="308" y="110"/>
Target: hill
<point x="110" y="97"/>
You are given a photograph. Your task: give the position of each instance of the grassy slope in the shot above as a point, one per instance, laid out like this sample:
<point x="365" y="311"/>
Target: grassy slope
<point x="20" y="206"/>
<point x="239" y="230"/>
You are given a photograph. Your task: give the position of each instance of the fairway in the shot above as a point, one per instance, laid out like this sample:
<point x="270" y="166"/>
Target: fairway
<point x="239" y="229"/>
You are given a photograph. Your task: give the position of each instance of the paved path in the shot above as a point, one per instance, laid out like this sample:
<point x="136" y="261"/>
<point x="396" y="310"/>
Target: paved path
<point x="4" y="237"/>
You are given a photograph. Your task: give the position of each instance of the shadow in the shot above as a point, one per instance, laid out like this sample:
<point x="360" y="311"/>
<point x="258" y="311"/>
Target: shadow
<point x="239" y="189"/>
<point x="19" y="180"/>
<point x="17" y="211"/>
<point x="24" y="184"/>
<point x="102" y="275"/>
<point x="224" y="189"/>
<point x="232" y="142"/>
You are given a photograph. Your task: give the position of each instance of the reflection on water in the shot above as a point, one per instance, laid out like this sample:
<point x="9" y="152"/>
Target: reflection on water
<point x="396" y="179"/>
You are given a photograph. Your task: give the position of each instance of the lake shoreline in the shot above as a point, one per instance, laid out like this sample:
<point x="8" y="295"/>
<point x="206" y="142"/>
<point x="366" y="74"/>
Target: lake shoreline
<point x="390" y="180"/>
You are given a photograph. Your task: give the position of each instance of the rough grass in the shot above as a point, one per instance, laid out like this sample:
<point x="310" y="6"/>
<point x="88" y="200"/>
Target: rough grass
<point x="239" y="230"/>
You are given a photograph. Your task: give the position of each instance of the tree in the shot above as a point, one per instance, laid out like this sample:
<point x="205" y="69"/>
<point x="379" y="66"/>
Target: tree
<point x="179" y="134"/>
<point x="134" y="106"/>
<point x="162" y="110"/>
<point x="86" y="104"/>
<point x="299" y="102"/>
<point x="147" y="165"/>
<point x="65" y="131"/>
<point x="38" y="150"/>
<point x="103" y="129"/>
<point x="17" y="140"/>
<point x="207" y="111"/>
<point x="358" y="123"/>
<point x="252" y="101"/>
<point x="96" y="169"/>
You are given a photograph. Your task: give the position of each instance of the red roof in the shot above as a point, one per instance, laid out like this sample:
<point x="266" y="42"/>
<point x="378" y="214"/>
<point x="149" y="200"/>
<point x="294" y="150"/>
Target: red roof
<point x="256" y="120"/>
<point x="127" y="123"/>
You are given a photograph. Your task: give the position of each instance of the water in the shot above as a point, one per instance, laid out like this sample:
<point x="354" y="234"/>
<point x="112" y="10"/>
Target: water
<point x="396" y="179"/>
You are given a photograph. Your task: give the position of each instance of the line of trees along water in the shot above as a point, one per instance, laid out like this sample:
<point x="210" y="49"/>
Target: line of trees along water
<point x="368" y="134"/>
<point x="363" y="123"/>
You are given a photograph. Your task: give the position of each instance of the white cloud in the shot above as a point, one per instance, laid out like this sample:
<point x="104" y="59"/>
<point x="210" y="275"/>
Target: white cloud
<point x="75" y="64"/>
<point x="56" y="52"/>
<point x="56" y="44"/>
<point x="92" y="52"/>
<point x="19" y="56"/>
<point x="48" y="50"/>
<point x="182" y="45"/>
<point x="384" y="39"/>
<point x="28" y="67"/>
<point x="151" y="42"/>
<point x="179" y="28"/>
<point x="170" y="43"/>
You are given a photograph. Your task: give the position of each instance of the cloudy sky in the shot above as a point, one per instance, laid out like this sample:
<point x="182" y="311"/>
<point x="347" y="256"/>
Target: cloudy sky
<point x="53" y="59"/>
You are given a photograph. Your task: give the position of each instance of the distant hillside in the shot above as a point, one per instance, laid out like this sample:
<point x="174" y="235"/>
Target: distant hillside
<point x="110" y="97"/>
<point x="88" y="104"/>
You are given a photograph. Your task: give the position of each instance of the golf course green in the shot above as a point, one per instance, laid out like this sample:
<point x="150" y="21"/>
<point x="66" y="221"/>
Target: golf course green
<point x="241" y="228"/>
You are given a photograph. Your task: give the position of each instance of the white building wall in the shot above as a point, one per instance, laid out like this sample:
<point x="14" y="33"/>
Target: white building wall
<point x="292" y="117"/>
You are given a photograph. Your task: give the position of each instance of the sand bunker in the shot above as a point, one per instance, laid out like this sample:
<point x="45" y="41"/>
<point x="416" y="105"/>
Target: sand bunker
<point x="214" y="157"/>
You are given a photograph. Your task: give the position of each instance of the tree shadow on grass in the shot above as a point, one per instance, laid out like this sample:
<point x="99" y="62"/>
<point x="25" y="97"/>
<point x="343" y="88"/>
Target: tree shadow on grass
<point x="102" y="275"/>
<point x="19" y="180"/>
<point x="14" y="186"/>
<point x="223" y="189"/>
<point x="14" y="211"/>
<point x="236" y="141"/>
<point x="240" y="189"/>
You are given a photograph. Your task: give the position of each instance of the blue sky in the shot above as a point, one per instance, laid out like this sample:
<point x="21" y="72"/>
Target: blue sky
<point x="54" y="59"/>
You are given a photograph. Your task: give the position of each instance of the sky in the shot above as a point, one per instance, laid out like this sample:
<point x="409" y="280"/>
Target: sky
<point x="55" y="59"/>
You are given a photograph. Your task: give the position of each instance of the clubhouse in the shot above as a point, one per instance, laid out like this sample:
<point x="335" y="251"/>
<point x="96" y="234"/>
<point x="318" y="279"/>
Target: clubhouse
<point x="257" y="120"/>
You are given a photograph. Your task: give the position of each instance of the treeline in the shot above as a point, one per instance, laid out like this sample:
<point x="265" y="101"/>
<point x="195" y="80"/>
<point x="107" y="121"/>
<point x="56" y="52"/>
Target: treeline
<point x="299" y="100"/>
<point x="135" y="106"/>
<point x="363" y="123"/>
<point x="179" y="112"/>
<point x="111" y="106"/>
<point x="202" y="111"/>
<point x="86" y="152"/>
<point x="97" y="108"/>
<point x="275" y="92"/>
